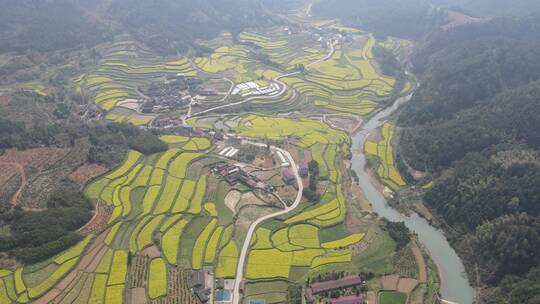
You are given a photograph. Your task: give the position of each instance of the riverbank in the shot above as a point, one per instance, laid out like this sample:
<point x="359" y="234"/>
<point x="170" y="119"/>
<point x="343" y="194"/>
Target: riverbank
<point x="454" y="282"/>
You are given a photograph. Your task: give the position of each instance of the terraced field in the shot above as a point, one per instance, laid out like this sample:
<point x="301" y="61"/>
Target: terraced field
<point x="153" y="199"/>
<point x="168" y="212"/>
<point x="346" y="80"/>
<point x="28" y="283"/>
<point x="126" y="66"/>
<point x="276" y="252"/>
<point x="386" y="171"/>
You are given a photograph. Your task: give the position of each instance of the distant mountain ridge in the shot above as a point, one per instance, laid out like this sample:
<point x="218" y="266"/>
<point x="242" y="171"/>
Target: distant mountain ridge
<point x="413" y="19"/>
<point x="494" y="8"/>
<point x="169" y="26"/>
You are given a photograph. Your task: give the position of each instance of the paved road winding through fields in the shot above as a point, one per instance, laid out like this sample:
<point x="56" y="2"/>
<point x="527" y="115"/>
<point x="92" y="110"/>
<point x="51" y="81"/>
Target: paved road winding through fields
<point x="245" y="248"/>
<point x="283" y="86"/>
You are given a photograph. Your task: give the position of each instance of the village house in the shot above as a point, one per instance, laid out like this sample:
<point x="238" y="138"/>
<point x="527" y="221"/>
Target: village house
<point x="303" y="169"/>
<point x="197" y="283"/>
<point x="319" y="287"/>
<point x="288" y="177"/>
<point x="234" y="174"/>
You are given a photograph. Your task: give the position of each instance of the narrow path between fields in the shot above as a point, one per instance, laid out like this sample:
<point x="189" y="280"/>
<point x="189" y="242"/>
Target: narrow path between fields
<point x="20" y="169"/>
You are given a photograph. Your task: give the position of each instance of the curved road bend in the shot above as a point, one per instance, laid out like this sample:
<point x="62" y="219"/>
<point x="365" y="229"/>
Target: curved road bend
<point x="283" y="85"/>
<point x="245" y="248"/>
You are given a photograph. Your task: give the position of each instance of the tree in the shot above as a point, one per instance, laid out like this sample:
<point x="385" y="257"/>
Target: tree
<point x="313" y="167"/>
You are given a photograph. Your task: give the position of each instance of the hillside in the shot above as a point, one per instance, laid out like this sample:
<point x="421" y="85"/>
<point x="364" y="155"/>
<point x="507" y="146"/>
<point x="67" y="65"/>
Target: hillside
<point x="494" y="8"/>
<point x="172" y="26"/>
<point x="405" y="19"/>
<point x="416" y="18"/>
<point x="168" y="26"/>
<point x="127" y="173"/>
<point x="473" y="126"/>
<point x="46" y="26"/>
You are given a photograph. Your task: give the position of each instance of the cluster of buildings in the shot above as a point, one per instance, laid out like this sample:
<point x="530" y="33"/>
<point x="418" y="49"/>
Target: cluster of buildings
<point x="201" y="284"/>
<point x="167" y="122"/>
<point x="253" y="89"/>
<point x="234" y="174"/>
<point x="324" y="287"/>
<point x="177" y="90"/>
<point x="326" y="38"/>
<point x="289" y="177"/>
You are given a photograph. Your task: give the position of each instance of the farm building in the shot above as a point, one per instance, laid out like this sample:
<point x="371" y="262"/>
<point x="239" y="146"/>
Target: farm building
<point x="197" y="282"/>
<point x="303" y="169"/>
<point x="233" y="174"/>
<point x="196" y="279"/>
<point x="230" y="173"/>
<point x="319" y="287"/>
<point x="288" y="177"/>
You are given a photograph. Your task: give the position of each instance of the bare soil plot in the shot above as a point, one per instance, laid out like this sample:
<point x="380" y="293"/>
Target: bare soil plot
<point x="456" y="19"/>
<point x="249" y="199"/>
<point x="138" y="296"/>
<point x="86" y="172"/>
<point x="43" y="168"/>
<point x="420" y="262"/>
<point x="36" y="158"/>
<point x="99" y="220"/>
<point x="372" y="297"/>
<point x="152" y="252"/>
<point x="12" y="182"/>
<point x="232" y="199"/>
<point x="390" y="282"/>
<point x="406" y="285"/>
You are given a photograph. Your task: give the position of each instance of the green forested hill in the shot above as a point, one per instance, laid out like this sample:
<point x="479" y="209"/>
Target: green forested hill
<point x="494" y="7"/>
<point x="174" y="25"/>
<point x="407" y="19"/>
<point x="45" y="26"/>
<point x="169" y="26"/>
<point x="413" y="19"/>
<point x="474" y="125"/>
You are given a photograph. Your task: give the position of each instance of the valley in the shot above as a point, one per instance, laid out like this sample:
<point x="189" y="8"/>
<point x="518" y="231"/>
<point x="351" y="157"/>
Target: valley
<point x="262" y="165"/>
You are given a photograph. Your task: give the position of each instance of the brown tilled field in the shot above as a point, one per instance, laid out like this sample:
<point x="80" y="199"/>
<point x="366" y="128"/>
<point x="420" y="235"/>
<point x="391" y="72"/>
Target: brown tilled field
<point x="40" y="170"/>
<point x="11" y="182"/>
<point x="86" y="172"/>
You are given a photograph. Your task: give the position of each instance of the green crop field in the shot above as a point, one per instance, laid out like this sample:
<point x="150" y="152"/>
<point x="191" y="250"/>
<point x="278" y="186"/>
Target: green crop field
<point x="347" y="241"/>
<point x="275" y="252"/>
<point x="347" y="82"/>
<point x="126" y="66"/>
<point x="387" y="171"/>
<point x="392" y="297"/>
<point x="157" y="281"/>
<point x="227" y="261"/>
<point x="24" y="285"/>
<point x="169" y="213"/>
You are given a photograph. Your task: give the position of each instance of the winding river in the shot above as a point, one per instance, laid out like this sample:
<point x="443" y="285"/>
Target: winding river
<point x="455" y="285"/>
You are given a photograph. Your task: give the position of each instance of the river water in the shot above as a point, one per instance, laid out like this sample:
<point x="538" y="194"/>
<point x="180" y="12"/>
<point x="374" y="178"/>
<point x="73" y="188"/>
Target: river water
<point x="455" y="284"/>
